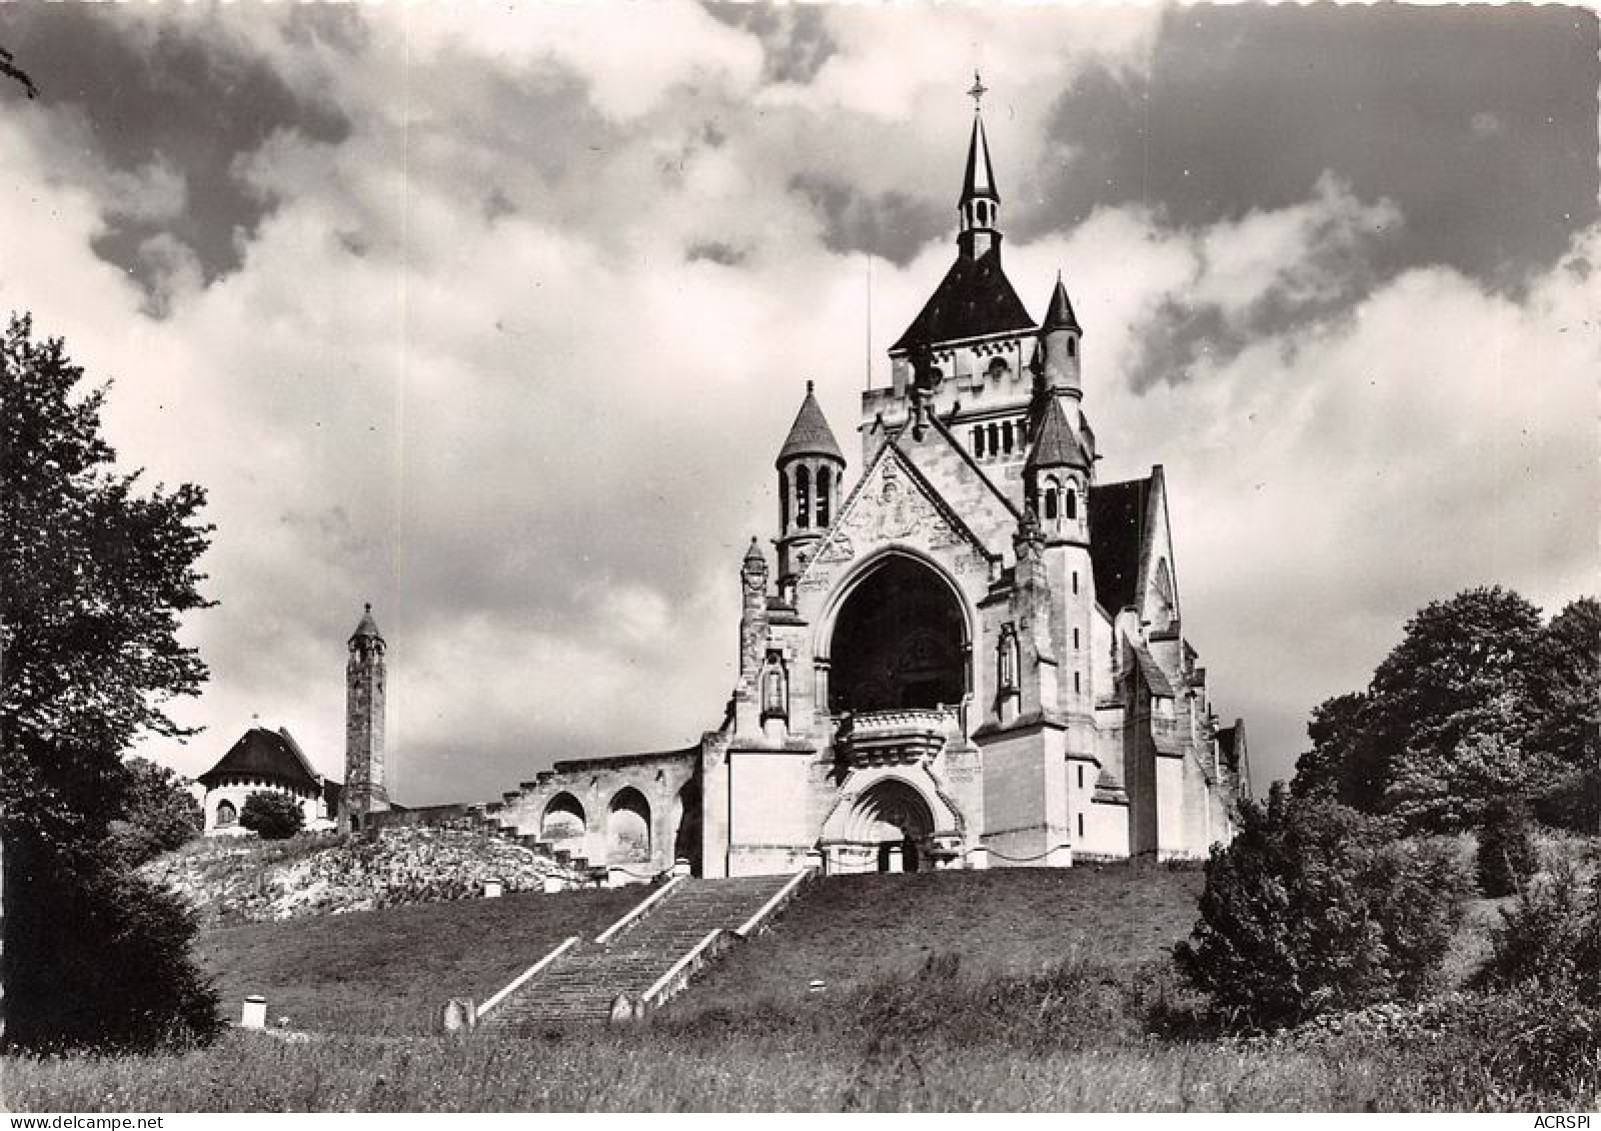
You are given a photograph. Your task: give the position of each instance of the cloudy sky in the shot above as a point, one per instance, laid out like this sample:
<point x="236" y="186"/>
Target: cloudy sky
<point x="497" y="320"/>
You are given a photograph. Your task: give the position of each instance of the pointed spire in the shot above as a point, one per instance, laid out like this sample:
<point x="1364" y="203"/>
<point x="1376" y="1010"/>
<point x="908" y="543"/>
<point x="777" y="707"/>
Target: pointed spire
<point x="1059" y="316"/>
<point x="754" y="557"/>
<point x="810" y="435"/>
<point x="367" y="627"/>
<point x="1055" y="445"/>
<point x="979" y="180"/>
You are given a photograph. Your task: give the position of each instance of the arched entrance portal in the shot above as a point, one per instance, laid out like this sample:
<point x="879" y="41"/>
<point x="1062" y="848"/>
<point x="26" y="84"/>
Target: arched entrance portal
<point x="891" y="815"/>
<point x="899" y="641"/>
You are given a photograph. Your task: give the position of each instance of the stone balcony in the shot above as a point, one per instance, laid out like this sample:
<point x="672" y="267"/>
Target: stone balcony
<point x="896" y="737"/>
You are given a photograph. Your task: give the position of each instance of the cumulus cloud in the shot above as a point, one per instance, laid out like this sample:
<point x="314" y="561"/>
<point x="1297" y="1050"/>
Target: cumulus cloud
<point x="514" y="317"/>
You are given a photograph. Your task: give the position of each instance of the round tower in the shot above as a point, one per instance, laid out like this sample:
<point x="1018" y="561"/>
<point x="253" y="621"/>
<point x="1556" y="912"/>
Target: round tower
<point x="1059" y="344"/>
<point x="811" y="469"/>
<point x="365" y="693"/>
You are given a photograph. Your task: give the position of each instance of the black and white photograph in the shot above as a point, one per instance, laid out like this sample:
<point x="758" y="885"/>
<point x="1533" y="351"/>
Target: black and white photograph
<point x="799" y="557"/>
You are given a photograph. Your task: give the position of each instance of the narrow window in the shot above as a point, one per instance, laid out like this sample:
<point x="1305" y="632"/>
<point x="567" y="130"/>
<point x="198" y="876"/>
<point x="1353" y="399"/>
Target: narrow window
<point x="1075" y="683"/>
<point x="1050" y="504"/>
<point x="1075" y="581"/>
<point x="978" y="442"/>
<point x="1072" y="346"/>
<point x="1081" y="781"/>
<point x="823" y="484"/>
<point x="1006" y="436"/>
<point x="1075" y="638"/>
<point x="1081" y="826"/>
<point x="803" y="497"/>
<point x="783" y="501"/>
<point x="1072" y="504"/>
<point x="995" y="440"/>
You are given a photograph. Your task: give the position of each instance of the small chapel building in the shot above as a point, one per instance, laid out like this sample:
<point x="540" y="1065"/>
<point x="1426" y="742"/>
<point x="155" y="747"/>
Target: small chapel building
<point x="971" y="656"/>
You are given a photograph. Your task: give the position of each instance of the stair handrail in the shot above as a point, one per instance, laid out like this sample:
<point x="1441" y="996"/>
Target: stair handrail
<point x="644" y="905"/>
<point x="517" y="982"/>
<point x="783" y="893"/>
<point x="648" y="998"/>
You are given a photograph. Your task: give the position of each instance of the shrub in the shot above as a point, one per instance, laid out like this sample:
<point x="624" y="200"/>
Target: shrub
<point x="272" y="816"/>
<point x="1572" y="802"/>
<point x="1315" y="907"/>
<point x="159" y="814"/>
<point x="1549" y="938"/>
<point x="1507" y="856"/>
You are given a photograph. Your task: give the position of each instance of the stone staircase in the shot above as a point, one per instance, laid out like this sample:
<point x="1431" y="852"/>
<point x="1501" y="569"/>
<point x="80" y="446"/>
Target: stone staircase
<point x="583" y="984"/>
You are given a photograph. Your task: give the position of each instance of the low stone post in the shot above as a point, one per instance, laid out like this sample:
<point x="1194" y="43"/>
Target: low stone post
<point x="814" y="860"/>
<point x="978" y="858"/>
<point x="681" y="867"/>
<point x="894" y="859"/>
<point x="554" y="883"/>
<point x="1060" y="857"/>
<point x="492" y="889"/>
<point x="254" y="1014"/>
<point x="623" y="1010"/>
<point x="460" y="1013"/>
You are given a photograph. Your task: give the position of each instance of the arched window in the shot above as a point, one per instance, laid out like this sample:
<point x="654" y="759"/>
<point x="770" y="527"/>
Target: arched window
<point x="1051" y="488"/>
<point x="1006" y="660"/>
<point x="226" y="813"/>
<point x="823" y="483"/>
<point x="783" y="500"/>
<point x="803" y="497"/>
<point x="628" y="828"/>
<point x="775" y="701"/>
<point x="1072" y="346"/>
<point x="1006" y="436"/>
<point x="995" y="440"/>
<point x="978" y="442"/>
<point x="1072" y="504"/>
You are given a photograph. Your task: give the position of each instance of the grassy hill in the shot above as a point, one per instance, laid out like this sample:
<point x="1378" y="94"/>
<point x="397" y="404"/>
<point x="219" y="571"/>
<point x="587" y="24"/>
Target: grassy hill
<point x="391" y="970"/>
<point x="854" y="931"/>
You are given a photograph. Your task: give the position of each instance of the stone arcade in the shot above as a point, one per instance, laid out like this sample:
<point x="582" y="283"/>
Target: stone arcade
<point x="972" y="656"/>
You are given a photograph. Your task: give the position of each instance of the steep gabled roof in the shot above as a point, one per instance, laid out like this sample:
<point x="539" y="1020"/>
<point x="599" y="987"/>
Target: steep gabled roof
<point x="261" y="753"/>
<point x="1117" y="530"/>
<point x="1055" y="445"/>
<point x="974" y="299"/>
<point x="810" y="435"/>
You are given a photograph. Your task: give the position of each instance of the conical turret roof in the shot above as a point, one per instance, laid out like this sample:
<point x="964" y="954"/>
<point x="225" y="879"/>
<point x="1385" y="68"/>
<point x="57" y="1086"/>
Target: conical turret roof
<point x="1059" y="316"/>
<point x="1055" y="445"/>
<point x="810" y="435"/>
<point x="367" y="626"/>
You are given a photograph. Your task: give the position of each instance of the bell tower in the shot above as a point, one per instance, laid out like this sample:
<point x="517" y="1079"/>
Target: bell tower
<point x="365" y="692"/>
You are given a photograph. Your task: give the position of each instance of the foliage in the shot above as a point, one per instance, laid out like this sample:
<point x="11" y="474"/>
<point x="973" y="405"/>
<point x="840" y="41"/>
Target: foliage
<point x="1315" y="907"/>
<point x="97" y="576"/>
<point x="1550" y="937"/>
<point x="1478" y="701"/>
<point x="1572" y="801"/>
<point x="1506" y="855"/>
<point x="161" y="814"/>
<point x="272" y="816"/>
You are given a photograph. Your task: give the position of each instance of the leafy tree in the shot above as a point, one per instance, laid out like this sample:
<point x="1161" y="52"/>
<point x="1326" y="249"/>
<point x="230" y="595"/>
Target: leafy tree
<point x="1316" y="907"/>
<point x="272" y="816"/>
<point x="161" y="813"/>
<point x="1341" y="764"/>
<point x="97" y="575"/>
<point x="1567" y="716"/>
<point x="1507" y="856"/>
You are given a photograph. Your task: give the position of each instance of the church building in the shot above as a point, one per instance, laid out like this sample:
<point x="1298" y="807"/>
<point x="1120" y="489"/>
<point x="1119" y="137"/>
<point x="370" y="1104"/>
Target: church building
<point x="971" y="656"/>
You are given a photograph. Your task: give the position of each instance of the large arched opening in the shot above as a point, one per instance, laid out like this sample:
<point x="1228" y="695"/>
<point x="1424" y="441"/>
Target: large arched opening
<point x="628" y="828"/>
<point x="892" y="815"/>
<point x="899" y="640"/>
<point x="563" y="821"/>
<point x="687" y="823"/>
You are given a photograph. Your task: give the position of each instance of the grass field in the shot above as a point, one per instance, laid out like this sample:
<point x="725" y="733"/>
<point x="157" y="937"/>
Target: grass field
<point x="391" y="971"/>
<point x="1008" y="990"/>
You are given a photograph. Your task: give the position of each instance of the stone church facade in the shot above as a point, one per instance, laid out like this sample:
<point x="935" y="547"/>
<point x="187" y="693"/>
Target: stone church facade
<point x="971" y="656"/>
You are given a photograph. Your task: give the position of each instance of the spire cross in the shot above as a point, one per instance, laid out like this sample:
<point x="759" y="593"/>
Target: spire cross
<point x="978" y="92"/>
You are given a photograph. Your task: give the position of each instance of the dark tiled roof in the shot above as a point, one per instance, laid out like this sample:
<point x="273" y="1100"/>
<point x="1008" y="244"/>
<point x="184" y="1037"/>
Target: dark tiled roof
<point x="975" y="298"/>
<point x="810" y="435"/>
<point x="261" y="753"/>
<point x="1060" y="314"/>
<point x="1117" y="528"/>
<point x="1054" y="442"/>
